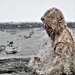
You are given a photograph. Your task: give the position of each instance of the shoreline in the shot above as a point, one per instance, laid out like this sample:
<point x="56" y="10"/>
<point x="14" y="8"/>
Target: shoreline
<point x="16" y="65"/>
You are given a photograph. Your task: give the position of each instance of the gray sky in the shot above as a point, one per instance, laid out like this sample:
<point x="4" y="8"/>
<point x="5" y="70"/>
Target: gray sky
<point x="32" y="10"/>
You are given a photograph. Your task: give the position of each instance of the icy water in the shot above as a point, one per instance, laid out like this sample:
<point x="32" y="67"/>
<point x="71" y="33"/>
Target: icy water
<point x="30" y="41"/>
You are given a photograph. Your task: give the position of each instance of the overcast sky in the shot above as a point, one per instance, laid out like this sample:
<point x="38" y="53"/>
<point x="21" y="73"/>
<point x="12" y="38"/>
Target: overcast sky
<point x="32" y="10"/>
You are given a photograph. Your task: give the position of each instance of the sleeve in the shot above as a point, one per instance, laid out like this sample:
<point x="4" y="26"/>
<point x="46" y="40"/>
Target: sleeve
<point x="62" y="49"/>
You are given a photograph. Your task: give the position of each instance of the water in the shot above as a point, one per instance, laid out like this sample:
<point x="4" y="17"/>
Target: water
<point x="30" y="45"/>
<point x="37" y="44"/>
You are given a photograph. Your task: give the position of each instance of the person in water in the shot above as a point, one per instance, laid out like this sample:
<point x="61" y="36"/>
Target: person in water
<point x="10" y="44"/>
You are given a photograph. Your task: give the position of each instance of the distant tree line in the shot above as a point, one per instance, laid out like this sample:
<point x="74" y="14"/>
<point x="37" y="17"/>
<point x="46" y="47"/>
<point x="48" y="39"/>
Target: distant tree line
<point x="20" y="25"/>
<point x="26" y="25"/>
<point x="71" y="24"/>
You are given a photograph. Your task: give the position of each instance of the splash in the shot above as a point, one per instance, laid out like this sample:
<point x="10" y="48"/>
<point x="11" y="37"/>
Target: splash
<point x="46" y="56"/>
